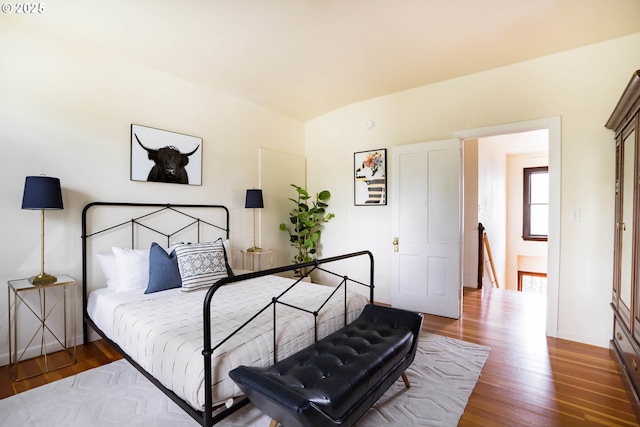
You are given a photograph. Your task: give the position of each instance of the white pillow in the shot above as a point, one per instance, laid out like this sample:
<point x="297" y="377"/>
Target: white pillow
<point x="109" y="269"/>
<point x="133" y="268"/>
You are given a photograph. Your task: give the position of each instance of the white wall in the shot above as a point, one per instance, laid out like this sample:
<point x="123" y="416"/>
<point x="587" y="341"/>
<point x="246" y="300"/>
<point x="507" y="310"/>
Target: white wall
<point x="581" y="86"/>
<point x="492" y="205"/>
<point x="470" y="214"/>
<point x="66" y="112"/>
<point x="275" y="181"/>
<point x="523" y="255"/>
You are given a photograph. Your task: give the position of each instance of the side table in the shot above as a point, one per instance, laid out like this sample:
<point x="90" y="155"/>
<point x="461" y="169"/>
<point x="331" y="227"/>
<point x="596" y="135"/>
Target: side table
<point x="54" y="330"/>
<point x="257" y="254"/>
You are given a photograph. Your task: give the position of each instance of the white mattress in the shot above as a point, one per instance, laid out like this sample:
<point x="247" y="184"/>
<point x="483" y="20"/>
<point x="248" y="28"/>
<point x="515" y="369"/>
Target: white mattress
<point x="163" y="332"/>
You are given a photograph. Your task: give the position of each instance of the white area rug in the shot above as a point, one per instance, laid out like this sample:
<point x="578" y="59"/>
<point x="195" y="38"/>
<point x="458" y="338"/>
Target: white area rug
<point x="442" y="378"/>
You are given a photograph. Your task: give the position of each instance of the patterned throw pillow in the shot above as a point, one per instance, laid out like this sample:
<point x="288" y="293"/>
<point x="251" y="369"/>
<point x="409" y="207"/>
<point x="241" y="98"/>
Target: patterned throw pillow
<point x="201" y="264"/>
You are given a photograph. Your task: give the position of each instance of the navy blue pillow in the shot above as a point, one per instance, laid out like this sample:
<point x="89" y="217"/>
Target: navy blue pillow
<point x="163" y="270"/>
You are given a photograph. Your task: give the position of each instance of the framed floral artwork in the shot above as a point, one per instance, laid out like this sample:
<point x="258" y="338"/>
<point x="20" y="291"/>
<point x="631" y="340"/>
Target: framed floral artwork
<point x="370" y="177"/>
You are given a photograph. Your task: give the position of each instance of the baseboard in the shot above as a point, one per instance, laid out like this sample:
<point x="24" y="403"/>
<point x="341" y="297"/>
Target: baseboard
<point x="604" y="343"/>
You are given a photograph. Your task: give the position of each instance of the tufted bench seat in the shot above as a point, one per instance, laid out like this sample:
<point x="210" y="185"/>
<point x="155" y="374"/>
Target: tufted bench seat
<point x="334" y="381"/>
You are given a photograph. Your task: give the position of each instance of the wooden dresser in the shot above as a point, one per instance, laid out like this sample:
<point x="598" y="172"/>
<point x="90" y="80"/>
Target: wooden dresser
<point x="625" y="122"/>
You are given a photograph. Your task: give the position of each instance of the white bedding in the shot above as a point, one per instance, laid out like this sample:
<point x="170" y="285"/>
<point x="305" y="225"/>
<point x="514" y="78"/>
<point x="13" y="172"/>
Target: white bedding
<point x="163" y="331"/>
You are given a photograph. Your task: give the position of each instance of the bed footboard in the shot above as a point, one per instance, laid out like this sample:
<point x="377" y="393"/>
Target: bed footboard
<point x="309" y="268"/>
<point x="134" y="225"/>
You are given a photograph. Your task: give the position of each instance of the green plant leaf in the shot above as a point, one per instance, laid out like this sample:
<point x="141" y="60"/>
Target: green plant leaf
<point x="307" y="218"/>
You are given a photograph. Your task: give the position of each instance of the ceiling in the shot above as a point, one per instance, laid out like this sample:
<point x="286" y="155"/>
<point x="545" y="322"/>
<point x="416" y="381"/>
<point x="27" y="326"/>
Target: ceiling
<point x="304" y="58"/>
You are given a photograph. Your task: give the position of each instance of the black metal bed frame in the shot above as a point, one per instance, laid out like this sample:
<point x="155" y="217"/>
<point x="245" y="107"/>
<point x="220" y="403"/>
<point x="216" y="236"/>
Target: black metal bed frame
<point x="207" y="417"/>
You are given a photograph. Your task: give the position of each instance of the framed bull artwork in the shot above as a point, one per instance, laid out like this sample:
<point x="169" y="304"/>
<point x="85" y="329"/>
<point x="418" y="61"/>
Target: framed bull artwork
<point x="162" y="156"/>
<point x="370" y="177"/>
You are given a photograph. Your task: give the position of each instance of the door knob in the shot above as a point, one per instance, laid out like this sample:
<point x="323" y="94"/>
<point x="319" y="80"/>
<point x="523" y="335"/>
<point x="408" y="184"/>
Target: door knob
<point x="395" y="244"/>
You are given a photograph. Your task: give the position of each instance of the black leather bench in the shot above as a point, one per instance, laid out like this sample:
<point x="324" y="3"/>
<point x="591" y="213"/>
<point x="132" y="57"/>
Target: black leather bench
<point x="334" y="381"/>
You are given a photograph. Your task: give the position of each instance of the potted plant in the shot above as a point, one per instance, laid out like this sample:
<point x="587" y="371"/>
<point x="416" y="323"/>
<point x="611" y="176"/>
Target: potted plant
<point x="306" y="220"/>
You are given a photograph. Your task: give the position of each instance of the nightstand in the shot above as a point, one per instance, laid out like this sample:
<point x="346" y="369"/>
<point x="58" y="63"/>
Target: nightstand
<point x="258" y="255"/>
<point x="51" y="326"/>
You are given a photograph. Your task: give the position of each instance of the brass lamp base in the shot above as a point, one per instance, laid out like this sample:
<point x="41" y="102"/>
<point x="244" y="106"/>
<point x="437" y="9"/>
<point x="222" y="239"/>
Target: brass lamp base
<point x="254" y="249"/>
<point x="43" y="279"/>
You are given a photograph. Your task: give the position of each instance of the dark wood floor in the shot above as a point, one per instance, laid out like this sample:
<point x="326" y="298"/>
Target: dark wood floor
<point x="528" y="380"/>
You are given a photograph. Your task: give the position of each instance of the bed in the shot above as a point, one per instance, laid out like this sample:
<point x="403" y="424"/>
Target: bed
<point x="186" y="338"/>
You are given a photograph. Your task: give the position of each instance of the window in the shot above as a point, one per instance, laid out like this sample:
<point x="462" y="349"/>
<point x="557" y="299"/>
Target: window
<point x="535" y="221"/>
<point x="532" y="283"/>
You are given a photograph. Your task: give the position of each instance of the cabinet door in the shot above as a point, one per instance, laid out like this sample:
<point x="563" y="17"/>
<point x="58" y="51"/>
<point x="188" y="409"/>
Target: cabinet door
<point x="618" y="217"/>
<point x="633" y="138"/>
<point x="625" y="227"/>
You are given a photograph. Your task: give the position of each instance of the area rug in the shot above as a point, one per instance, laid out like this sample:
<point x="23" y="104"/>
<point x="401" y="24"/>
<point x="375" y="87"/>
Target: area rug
<point x="442" y="378"/>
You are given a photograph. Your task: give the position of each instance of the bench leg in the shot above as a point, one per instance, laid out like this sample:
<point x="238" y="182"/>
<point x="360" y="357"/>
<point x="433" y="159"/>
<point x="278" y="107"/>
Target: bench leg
<point x="273" y="423"/>
<point x="406" y="380"/>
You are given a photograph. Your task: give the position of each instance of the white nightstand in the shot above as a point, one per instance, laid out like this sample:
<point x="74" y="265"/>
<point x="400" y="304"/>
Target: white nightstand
<point x="46" y="306"/>
<point x="258" y="255"/>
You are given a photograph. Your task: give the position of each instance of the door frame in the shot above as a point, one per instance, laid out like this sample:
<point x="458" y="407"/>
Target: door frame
<point x="553" y="125"/>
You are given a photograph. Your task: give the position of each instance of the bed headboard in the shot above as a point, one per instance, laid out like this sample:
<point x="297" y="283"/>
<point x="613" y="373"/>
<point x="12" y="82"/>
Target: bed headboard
<point x="137" y="225"/>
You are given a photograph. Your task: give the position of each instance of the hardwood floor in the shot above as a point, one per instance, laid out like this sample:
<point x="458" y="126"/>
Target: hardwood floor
<point x="94" y="354"/>
<point x="528" y="379"/>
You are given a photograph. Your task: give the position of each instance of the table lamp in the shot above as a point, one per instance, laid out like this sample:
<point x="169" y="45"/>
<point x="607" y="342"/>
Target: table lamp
<point x="254" y="201"/>
<point x="42" y="192"/>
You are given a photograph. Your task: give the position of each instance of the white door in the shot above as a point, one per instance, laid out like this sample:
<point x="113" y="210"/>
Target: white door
<point x="426" y="223"/>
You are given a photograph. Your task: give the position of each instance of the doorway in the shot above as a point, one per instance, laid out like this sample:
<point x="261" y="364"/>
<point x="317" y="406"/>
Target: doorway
<point x="552" y="125"/>
<point x="504" y="165"/>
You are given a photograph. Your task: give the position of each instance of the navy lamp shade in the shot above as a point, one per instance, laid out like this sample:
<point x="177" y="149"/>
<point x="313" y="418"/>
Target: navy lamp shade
<point x="254" y="201"/>
<point x="42" y="192"/>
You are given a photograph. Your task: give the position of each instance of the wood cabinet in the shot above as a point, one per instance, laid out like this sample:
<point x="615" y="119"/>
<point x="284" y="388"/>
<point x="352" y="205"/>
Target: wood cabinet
<point x="625" y="122"/>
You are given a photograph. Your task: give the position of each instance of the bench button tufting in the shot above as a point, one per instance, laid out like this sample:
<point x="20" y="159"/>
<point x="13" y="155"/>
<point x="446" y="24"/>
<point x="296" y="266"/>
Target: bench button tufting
<point x="353" y="363"/>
